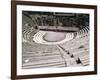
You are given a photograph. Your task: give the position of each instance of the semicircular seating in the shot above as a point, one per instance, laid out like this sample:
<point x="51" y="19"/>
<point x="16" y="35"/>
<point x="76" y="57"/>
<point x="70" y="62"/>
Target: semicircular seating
<point x="72" y="46"/>
<point x="39" y="38"/>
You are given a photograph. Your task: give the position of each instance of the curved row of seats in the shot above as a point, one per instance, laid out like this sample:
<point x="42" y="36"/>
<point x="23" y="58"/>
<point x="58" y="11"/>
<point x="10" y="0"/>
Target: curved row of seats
<point x="79" y="46"/>
<point x="82" y="33"/>
<point x="39" y="55"/>
<point x="28" y="34"/>
<point x="38" y="38"/>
